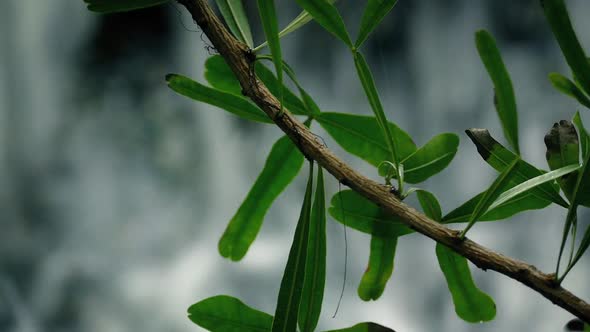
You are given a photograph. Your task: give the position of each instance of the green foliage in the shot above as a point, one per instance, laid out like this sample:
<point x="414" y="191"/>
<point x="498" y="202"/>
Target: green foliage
<point x="375" y="11"/>
<point x="290" y="293"/>
<point x="114" y="6"/>
<point x="357" y="212"/>
<point x="379" y="269"/>
<point x="227" y="101"/>
<point x="499" y="158"/>
<point x="569" y="88"/>
<point x="235" y="16"/>
<point x="299" y="21"/>
<point x="471" y="304"/>
<point x="491" y="194"/>
<point x="559" y="20"/>
<point x="431" y="158"/>
<point x="504" y="99"/>
<point x="328" y="17"/>
<point x="282" y="165"/>
<point x="370" y="88"/>
<point x="220" y="76"/>
<point x="315" y="273"/>
<point x="268" y="16"/>
<point x="224" y="313"/>
<point x="519" y="187"/>
<point x="361" y="136"/>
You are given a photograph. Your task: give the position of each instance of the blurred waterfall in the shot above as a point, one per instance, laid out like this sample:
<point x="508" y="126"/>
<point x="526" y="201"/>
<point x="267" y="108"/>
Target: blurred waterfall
<point x="114" y="190"/>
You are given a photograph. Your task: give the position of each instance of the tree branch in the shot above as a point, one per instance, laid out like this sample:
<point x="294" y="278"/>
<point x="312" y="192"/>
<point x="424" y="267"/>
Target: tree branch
<point x="240" y="59"/>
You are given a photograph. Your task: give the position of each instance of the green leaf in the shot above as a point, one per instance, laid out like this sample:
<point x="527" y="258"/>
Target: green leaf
<point x="368" y="84"/>
<point x="584" y="136"/>
<point x="558" y="18"/>
<point x="379" y="269"/>
<point x="355" y="211"/>
<point x="113" y="6"/>
<point x="268" y="16"/>
<point x="235" y="16"/>
<point x="281" y="167"/>
<point x="285" y="318"/>
<point x="302" y="19"/>
<point x="429" y="204"/>
<point x="227" y="101"/>
<point x="569" y="88"/>
<point x="224" y="313"/>
<point x="364" y="327"/>
<point x="504" y="99"/>
<point x="523" y="202"/>
<point x="497" y="187"/>
<point x="220" y="76"/>
<point x="315" y="272"/>
<point x="581" y="195"/>
<point x="375" y="11"/>
<point x="328" y="17"/>
<point x="570" y="220"/>
<point x="310" y="104"/>
<point x="430" y="159"/>
<point x="471" y="304"/>
<point x="362" y="137"/>
<point x="499" y="158"/>
<point x="532" y="183"/>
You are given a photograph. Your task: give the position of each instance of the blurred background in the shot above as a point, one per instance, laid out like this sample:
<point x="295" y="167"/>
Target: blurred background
<point x="114" y="190"/>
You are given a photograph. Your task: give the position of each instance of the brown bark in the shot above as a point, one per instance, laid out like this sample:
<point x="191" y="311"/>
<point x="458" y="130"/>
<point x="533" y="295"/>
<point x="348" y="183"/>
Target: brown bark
<point x="239" y="58"/>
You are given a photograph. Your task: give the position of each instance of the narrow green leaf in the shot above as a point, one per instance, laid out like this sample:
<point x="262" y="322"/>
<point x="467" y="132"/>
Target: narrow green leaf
<point x="558" y="18"/>
<point x="287" y="309"/>
<point x="429" y="204"/>
<point x="523" y="202"/>
<point x="364" y="327"/>
<point x="504" y="99"/>
<point x="431" y="158"/>
<point x="570" y="220"/>
<point x="580" y="195"/>
<point x="227" y="101"/>
<point x="532" y="183"/>
<point x="328" y="17"/>
<point x="355" y="211"/>
<point x="268" y="16"/>
<point x="282" y="165"/>
<point x="497" y="187"/>
<point x="362" y="136"/>
<point x="220" y="76"/>
<point x="315" y="272"/>
<point x="224" y="313"/>
<point x="584" y="136"/>
<point x="235" y="16"/>
<point x="375" y="11"/>
<point x="302" y="19"/>
<point x="569" y="88"/>
<point x="368" y="84"/>
<point x="114" y="6"/>
<point x="499" y="158"/>
<point x="379" y="269"/>
<point x="310" y="104"/>
<point x="471" y="304"/>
